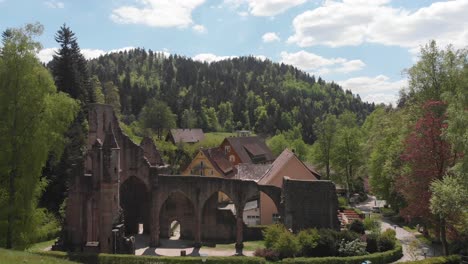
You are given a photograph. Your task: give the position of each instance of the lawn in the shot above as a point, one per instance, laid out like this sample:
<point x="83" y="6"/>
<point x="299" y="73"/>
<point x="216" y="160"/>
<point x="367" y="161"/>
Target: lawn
<point x="15" y="257"/>
<point x="248" y="245"/>
<point x="41" y="245"/>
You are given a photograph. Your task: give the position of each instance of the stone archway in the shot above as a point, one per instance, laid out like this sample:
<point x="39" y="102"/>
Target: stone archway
<point x="134" y="200"/>
<point x="177" y="207"/>
<point x="218" y="218"/>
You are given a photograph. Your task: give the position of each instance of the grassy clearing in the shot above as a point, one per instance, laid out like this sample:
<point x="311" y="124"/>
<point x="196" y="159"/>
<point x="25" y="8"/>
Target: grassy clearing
<point x="15" y="257"/>
<point x="41" y="245"/>
<point x="248" y="245"/>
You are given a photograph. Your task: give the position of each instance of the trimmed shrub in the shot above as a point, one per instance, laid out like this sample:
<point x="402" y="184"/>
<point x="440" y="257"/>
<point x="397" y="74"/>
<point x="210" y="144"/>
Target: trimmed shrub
<point x="372" y="243"/>
<point x="308" y="240"/>
<point x="131" y="259"/>
<point x="347" y="235"/>
<point x="352" y="248"/>
<point x="357" y="226"/>
<point x="376" y="258"/>
<point x="271" y="234"/>
<point x="342" y="202"/>
<point x="327" y="244"/>
<point x="372" y="224"/>
<point x="287" y="245"/>
<point x="266" y="253"/>
<point x="387" y="240"/>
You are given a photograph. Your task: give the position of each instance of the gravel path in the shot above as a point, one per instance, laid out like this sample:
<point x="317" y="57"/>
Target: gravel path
<point x="402" y="235"/>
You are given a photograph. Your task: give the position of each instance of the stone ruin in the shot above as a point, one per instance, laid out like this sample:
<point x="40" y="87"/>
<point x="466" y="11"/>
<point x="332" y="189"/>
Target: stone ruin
<point x="123" y="186"/>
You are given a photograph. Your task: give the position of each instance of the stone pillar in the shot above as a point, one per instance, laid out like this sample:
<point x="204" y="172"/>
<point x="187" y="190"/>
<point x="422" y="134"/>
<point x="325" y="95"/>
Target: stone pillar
<point x="154" y="220"/>
<point x="239" y="230"/>
<point x="197" y="233"/>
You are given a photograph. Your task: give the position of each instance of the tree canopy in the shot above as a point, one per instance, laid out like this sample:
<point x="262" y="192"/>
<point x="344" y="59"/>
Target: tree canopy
<point x="34" y="118"/>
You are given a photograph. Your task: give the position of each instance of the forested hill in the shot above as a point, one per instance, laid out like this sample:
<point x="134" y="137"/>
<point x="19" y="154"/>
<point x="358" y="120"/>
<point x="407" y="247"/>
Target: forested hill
<point x="241" y="93"/>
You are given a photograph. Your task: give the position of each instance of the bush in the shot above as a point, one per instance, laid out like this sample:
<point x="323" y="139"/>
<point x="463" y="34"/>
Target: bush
<point x="271" y="234"/>
<point x="266" y="253"/>
<point x="372" y="224"/>
<point x="372" y="242"/>
<point x="287" y="245"/>
<point x="327" y="243"/>
<point x="308" y="240"/>
<point x="376" y="258"/>
<point x="352" y="248"/>
<point x="357" y="226"/>
<point x="387" y="240"/>
<point x="347" y="235"/>
<point x="342" y="202"/>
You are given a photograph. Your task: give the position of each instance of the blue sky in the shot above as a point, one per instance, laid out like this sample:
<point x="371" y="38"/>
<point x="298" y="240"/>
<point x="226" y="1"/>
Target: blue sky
<point x="362" y="45"/>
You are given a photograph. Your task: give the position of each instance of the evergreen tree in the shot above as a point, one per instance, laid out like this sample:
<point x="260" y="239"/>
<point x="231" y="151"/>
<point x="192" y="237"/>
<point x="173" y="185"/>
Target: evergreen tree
<point x="69" y="68"/>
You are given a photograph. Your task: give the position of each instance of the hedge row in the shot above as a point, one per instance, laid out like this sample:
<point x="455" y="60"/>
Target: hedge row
<point x="375" y="258"/>
<point x="131" y="259"/>
<point x="455" y="259"/>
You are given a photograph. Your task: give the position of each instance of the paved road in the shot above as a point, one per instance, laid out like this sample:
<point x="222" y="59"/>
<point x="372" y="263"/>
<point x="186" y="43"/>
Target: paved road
<point x="402" y="235"/>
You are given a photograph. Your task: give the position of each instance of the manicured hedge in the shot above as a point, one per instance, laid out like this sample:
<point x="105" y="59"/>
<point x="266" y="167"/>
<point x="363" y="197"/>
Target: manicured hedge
<point x="131" y="259"/>
<point x="375" y="258"/>
<point x="455" y="259"/>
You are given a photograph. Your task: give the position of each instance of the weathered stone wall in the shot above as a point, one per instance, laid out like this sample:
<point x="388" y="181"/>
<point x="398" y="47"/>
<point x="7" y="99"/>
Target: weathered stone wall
<point x="309" y="204"/>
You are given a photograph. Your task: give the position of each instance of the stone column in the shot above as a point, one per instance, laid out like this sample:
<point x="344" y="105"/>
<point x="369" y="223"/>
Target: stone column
<point x="239" y="229"/>
<point x="197" y="233"/>
<point x="154" y="220"/>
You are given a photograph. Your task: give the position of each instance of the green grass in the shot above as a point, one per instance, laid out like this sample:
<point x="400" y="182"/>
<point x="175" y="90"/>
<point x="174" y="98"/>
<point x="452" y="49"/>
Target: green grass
<point x="15" y="257"/>
<point x="41" y="245"/>
<point x="248" y="245"/>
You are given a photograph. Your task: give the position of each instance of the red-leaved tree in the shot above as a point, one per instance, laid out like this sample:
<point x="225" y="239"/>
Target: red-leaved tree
<point x="427" y="156"/>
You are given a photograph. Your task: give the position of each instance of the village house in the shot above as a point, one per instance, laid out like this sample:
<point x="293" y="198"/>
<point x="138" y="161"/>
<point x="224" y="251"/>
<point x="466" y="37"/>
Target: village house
<point x="185" y="135"/>
<point x="251" y="150"/>
<point x="286" y="164"/>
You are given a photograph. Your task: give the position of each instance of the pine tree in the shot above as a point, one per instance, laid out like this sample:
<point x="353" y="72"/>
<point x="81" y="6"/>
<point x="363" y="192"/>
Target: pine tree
<point x="69" y="68"/>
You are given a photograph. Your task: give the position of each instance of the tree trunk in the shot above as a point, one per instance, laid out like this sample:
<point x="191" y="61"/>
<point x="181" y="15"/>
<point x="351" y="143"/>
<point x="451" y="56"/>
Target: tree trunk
<point x="443" y="236"/>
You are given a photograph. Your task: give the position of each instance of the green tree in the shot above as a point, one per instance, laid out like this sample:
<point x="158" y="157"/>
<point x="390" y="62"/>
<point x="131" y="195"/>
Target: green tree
<point x="325" y="130"/>
<point x="70" y="72"/>
<point x="448" y="202"/>
<point x="111" y="95"/>
<point x="34" y="118"/>
<point x="188" y="119"/>
<point x="347" y="151"/>
<point x="157" y="116"/>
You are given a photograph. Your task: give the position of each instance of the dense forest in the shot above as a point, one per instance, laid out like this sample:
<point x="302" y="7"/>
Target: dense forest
<point x="239" y="93"/>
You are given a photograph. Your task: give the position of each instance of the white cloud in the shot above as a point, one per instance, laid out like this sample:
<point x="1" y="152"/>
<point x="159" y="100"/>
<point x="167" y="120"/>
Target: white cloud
<point x="265" y="7"/>
<point x="270" y="37"/>
<point x="54" y="4"/>
<point x="353" y="22"/>
<point x="46" y="55"/>
<point x="210" y="57"/>
<point x="316" y="64"/>
<point x="378" y="89"/>
<point x="199" y="28"/>
<point x="157" y="13"/>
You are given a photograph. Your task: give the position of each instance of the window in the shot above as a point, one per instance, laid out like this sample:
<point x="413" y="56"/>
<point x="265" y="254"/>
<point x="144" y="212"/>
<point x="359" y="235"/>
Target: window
<point x="227" y="149"/>
<point x="232" y="158"/>
<point x="276" y="218"/>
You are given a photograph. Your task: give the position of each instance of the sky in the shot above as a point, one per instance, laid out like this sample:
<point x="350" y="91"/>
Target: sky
<point x="365" y="46"/>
